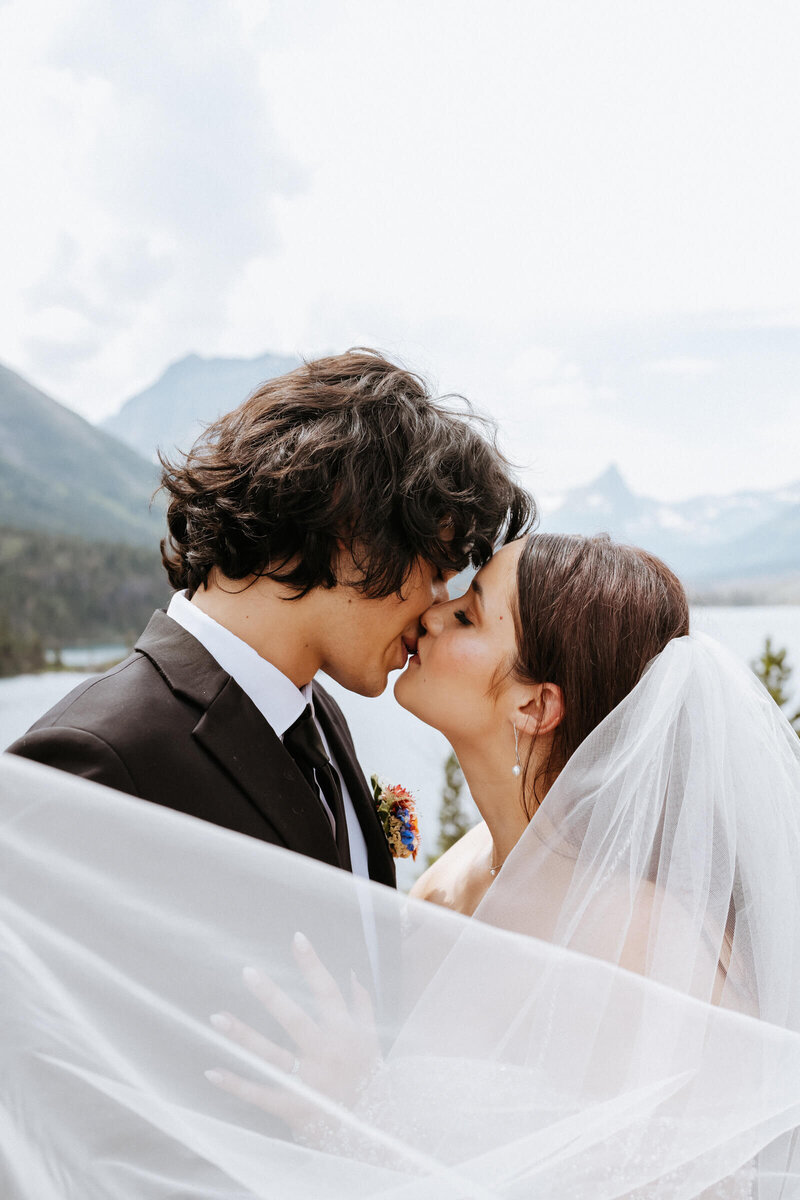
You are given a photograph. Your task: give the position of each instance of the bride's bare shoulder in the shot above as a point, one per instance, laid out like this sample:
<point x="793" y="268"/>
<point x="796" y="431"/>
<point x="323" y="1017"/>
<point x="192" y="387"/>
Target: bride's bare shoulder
<point x="451" y="879"/>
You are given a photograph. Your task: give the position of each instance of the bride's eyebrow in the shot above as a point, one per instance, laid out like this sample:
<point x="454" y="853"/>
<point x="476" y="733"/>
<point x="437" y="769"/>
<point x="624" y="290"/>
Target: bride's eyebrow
<point x="478" y="590"/>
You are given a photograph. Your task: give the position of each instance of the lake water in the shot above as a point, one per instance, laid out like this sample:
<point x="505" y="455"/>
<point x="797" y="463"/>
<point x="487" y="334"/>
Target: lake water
<point x="396" y="745"/>
<point x="88" y="658"/>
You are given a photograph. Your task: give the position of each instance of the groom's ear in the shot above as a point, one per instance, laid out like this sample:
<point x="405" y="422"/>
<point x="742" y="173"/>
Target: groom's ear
<point x="543" y="712"/>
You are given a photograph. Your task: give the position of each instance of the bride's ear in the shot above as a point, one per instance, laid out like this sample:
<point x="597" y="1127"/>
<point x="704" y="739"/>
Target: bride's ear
<point x="543" y="712"/>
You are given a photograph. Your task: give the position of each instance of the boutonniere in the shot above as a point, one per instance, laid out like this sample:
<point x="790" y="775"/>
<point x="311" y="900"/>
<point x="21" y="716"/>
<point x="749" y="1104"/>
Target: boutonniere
<point x="398" y="817"/>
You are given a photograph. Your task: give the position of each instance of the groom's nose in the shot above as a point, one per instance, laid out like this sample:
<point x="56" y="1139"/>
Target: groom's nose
<point x="431" y="619"/>
<point x="440" y="592"/>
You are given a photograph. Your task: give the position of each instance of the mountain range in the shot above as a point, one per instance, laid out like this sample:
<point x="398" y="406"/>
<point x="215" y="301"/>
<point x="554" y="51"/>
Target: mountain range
<point x="192" y="392"/>
<point x="741" y="546"/>
<point x="61" y="474"/>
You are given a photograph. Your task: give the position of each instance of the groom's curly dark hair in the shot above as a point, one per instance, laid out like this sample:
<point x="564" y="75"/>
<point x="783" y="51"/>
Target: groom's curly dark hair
<point x="351" y="449"/>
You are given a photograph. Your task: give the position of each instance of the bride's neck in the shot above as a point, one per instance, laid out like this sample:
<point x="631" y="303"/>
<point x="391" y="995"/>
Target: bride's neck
<point x="498" y="797"/>
<point x="498" y="793"/>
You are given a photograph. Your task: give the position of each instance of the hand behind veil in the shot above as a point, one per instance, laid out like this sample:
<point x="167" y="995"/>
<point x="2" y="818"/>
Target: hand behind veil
<point x="336" y="1051"/>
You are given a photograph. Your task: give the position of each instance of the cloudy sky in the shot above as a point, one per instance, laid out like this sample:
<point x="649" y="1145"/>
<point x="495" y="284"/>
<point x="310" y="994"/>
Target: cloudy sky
<point x="582" y="215"/>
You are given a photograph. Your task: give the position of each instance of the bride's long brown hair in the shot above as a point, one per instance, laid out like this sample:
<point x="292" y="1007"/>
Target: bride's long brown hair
<point x="590" y="614"/>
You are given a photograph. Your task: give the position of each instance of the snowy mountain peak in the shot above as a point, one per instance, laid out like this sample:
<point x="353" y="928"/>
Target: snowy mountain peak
<point x="705" y="536"/>
<point x="611" y="480"/>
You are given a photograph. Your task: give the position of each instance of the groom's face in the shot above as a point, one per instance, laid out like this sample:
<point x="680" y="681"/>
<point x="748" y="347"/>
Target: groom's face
<point x="366" y="639"/>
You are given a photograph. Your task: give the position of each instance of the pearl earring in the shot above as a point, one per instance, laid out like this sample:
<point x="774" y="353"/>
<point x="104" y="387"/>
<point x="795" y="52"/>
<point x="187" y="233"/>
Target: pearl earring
<point x="516" y="769"/>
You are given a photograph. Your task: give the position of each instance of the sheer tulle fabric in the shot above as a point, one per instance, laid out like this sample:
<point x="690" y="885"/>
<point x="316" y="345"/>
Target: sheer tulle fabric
<point x="563" y="1045"/>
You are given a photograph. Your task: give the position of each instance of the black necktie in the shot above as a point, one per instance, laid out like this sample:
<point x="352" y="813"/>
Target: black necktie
<point x="304" y="743"/>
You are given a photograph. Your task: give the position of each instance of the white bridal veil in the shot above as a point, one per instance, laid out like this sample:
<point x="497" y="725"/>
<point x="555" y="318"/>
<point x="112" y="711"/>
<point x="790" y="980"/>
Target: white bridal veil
<point x="622" y="1019"/>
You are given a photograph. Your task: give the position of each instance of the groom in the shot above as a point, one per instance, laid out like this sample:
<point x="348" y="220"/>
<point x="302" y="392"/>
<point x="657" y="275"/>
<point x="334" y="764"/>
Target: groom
<point x="308" y="530"/>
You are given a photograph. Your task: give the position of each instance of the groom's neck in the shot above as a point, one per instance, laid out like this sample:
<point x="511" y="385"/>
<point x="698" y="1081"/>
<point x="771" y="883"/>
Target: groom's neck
<point x="260" y="613"/>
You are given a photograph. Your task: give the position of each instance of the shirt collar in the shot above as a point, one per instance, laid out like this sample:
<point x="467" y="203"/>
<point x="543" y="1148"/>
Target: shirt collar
<point x="278" y="700"/>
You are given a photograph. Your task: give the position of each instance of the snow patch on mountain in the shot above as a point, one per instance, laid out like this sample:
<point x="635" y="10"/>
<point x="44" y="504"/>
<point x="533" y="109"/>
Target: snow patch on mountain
<point x="709" y="540"/>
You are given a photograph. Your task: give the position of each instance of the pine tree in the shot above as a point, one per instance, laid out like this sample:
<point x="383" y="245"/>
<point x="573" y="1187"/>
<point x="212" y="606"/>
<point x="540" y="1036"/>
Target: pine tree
<point x="453" y="822"/>
<point x="774" y="672"/>
<point x="20" y="653"/>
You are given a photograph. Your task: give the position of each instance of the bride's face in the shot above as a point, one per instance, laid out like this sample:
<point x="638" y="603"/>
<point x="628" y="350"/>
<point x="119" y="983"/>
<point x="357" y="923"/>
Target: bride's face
<point x="468" y="645"/>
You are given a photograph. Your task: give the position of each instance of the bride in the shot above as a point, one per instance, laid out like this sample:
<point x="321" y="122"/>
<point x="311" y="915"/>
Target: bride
<point x="553" y="634"/>
<point x="603" y="999"/>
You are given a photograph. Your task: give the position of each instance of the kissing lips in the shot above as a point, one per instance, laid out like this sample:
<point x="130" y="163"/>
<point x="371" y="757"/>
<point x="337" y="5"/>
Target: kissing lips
<point x="411" y="645"/>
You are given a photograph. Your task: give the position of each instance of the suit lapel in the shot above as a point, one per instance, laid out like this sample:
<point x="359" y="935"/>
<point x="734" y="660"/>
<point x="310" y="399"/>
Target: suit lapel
<point x="380" y="861"/>
<point x="236" y="735"/>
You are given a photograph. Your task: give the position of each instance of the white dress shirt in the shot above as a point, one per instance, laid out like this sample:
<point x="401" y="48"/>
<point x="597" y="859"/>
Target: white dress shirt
<point x="278" y="700"/>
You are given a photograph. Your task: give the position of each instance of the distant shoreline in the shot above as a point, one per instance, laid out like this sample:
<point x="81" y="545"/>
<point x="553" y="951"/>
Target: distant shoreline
<point x="93" y="658"/>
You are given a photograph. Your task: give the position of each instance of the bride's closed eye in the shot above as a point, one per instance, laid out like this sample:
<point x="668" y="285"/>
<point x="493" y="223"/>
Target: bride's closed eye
<point x="461" y="616"/>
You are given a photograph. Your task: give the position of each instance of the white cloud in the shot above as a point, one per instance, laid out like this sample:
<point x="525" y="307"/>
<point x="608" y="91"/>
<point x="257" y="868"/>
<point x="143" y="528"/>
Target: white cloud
<point x="683" y="366"/>
<point x="474" y="187"/>
<point x="145" y="172"/>
<point x="535" y="365"/>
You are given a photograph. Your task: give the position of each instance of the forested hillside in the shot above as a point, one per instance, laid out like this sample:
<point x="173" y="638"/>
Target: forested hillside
<point x="57" y="591"/>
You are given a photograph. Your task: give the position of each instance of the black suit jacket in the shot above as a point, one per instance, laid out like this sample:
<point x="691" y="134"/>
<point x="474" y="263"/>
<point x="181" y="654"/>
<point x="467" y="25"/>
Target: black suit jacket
<point x="171" y="726"/>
